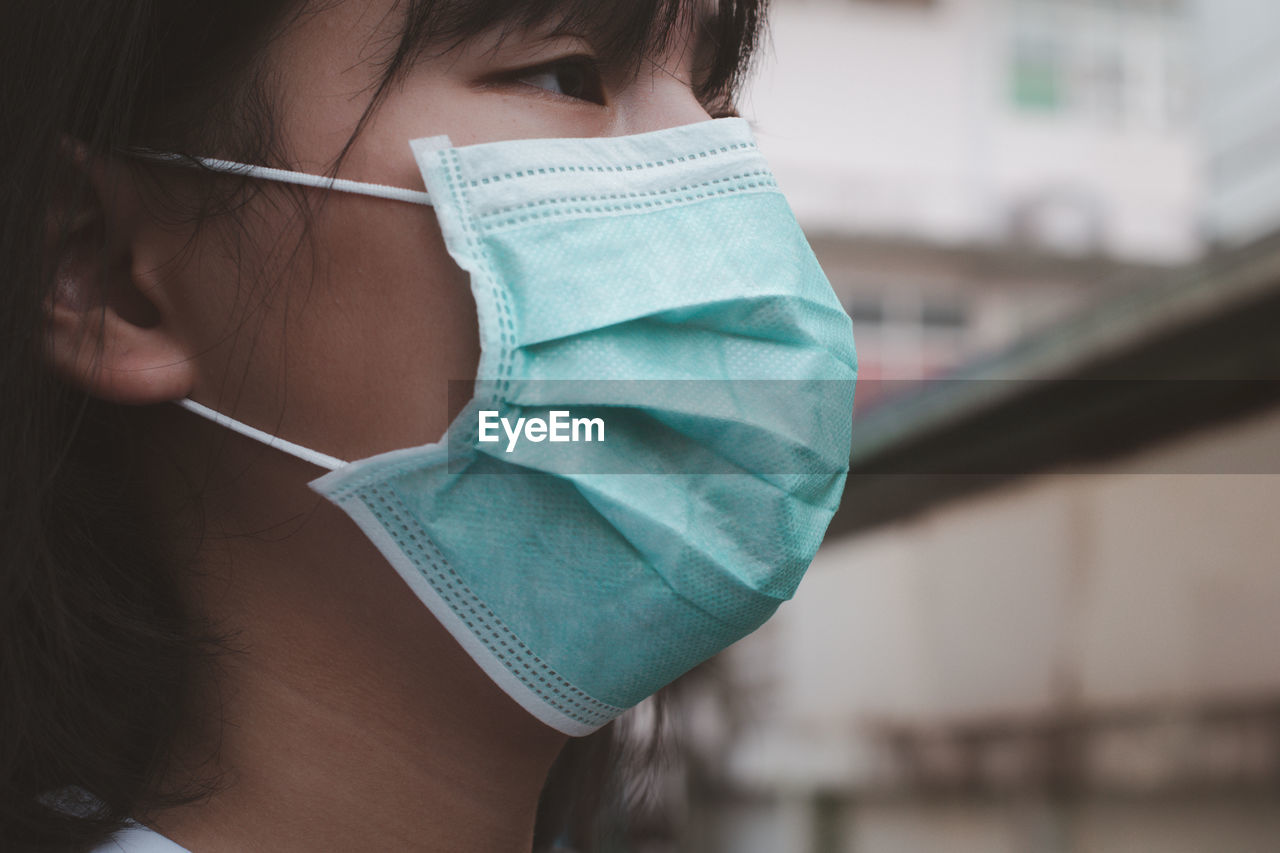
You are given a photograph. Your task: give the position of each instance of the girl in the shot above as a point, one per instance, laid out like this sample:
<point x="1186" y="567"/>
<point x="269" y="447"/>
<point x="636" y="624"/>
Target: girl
<point x="199" y="652"/>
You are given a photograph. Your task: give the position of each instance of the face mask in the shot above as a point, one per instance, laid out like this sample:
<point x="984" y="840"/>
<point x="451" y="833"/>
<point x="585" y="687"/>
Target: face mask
<point x="651" y="310"/>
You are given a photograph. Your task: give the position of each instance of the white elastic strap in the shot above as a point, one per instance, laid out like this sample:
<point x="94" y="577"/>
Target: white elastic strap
<point x="306" y="454"/>
<point x="305" y="179"/>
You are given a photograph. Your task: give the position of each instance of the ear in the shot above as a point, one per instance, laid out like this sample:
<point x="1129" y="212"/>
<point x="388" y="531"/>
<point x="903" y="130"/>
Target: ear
<point x="104" y="333"/>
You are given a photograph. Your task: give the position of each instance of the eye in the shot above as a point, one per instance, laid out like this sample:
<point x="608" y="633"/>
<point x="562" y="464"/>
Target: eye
<point x="575" y="77"/>
<point x="721" y="105"/>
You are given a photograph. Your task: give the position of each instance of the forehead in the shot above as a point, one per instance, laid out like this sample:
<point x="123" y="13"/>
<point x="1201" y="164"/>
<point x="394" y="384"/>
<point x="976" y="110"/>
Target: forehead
<point x="630" y="23"/>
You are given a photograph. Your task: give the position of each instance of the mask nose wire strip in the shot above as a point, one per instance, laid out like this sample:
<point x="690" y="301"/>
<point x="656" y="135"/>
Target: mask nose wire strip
<point x="304" y="453"/>
<point x="285" y="176"/>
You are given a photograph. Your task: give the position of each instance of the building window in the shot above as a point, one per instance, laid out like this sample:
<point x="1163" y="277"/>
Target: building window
<point x="1118" y="63"/>
<point x="904" y="333"/>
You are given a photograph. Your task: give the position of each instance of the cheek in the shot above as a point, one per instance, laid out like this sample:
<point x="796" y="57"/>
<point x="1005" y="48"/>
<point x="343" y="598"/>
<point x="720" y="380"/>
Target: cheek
<point x="387" y="323"/>
<point x="344" y="340"/>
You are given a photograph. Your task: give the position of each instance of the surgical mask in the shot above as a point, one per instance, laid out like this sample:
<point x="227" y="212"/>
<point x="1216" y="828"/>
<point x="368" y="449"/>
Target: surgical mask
<point x="669" y="379"/>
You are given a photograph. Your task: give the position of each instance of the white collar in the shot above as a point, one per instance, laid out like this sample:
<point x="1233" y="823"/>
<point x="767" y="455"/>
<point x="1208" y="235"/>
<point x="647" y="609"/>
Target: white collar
<point x="136" y="838"/>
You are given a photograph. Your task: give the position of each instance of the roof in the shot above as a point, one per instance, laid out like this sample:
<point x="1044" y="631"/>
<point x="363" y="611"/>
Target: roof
<point x="1198" y="346"/>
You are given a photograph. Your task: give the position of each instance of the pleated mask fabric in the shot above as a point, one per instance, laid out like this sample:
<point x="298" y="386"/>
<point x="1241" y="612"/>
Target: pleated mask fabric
<point x="657" y="287"/>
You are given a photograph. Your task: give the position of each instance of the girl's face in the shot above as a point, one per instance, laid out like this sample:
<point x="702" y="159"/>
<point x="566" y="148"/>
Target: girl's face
<point x="361" y="325"/>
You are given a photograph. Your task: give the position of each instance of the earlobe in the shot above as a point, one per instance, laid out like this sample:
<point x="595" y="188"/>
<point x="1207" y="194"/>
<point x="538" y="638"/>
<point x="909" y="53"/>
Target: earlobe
<point x="103" y="333"/>
<point x="98" y="350"/>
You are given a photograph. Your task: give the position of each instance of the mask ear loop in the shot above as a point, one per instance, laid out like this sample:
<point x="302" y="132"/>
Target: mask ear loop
<point x="305" y="179"/>
<point x="306" y="454"/>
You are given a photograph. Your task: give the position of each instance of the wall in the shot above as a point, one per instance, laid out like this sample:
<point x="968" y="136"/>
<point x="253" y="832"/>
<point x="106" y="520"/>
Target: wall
<point x="1128" y="598"/>
<point x="1240" y="84"/>
<point x="899" y="118"/>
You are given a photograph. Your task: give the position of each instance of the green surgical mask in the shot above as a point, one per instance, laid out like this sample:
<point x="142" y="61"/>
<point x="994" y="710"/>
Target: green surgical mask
<point x="659" y="430"/>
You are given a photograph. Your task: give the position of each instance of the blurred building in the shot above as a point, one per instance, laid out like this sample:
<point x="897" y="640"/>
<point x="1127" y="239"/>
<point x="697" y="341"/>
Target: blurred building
<point x="1047" y="617"/>
<point x="973" y="170"/>
<point x="1237" y="50"/>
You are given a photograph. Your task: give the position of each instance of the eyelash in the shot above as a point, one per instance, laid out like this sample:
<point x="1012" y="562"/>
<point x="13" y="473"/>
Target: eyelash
<point x="721" y="106"/>
<point x="593" y="77"/>
<point x="593" y="90"/>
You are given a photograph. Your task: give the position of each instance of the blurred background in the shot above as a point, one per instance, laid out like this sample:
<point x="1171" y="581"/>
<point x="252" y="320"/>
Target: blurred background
<point x="1047" y="615"/>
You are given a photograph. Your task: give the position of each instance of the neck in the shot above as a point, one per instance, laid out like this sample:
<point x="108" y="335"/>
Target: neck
<point x="343" y="717"/>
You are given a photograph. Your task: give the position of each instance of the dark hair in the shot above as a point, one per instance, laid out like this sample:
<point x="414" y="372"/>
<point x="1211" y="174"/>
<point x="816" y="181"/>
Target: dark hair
<point x="96" y="648"/>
